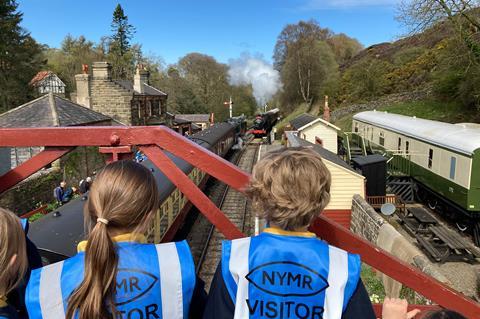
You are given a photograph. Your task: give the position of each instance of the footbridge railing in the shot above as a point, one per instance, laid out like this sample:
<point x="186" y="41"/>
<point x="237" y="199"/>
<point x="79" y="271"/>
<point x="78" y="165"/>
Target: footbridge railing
<point x="154" y="141"/>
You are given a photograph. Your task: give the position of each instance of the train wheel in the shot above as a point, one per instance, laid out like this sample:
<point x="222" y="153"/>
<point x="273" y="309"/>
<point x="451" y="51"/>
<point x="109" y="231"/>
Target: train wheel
<point x="476" y="233"/>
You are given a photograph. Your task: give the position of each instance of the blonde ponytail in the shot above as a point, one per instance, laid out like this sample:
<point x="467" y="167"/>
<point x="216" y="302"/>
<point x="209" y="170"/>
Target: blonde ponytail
<point x="12" y="239"/>
<point x="122" y="198"/>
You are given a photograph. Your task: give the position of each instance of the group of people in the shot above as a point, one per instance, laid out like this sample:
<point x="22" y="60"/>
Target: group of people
<point x="63" y="193"/>
<point x="285" y="272"/>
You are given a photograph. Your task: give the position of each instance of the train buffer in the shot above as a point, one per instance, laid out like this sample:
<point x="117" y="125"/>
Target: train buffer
<point x="444" y="245"/>
<point x="418" y="220"/>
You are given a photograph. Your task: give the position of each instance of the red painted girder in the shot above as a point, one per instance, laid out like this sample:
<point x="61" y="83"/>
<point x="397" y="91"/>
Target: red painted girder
<point x="123" y="136"/>
<point x="192" y="192"/>
<point x="393" y="267"/>
<point x="178" y="222"/>
<point x="29" y="167"/>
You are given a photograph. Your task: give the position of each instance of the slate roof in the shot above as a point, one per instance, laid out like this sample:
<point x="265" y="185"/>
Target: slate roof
<point x="41" y="113"/>
<point x="194" y="117"/>
<point x="324" y="153"/>
<point x="302" y="120"/>
<point x="147" y="89"/>
<point x="306" y="119"/>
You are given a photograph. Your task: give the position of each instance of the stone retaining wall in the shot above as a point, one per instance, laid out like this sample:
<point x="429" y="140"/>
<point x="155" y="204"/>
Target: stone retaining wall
<point x="366" y="222"/>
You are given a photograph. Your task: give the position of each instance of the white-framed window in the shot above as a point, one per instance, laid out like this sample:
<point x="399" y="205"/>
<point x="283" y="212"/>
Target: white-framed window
<point x="381" y="139"/>
<point x="407" y="147"/>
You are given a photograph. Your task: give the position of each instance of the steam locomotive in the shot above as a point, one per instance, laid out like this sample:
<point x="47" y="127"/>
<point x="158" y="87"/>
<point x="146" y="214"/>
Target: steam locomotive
<point x="264" y="123"/>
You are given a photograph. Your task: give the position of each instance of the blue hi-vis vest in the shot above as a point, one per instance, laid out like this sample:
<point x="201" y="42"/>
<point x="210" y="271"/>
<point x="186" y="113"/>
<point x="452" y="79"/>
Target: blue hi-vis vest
<point x="288" y="275"/>
<point x="153" y="281"/>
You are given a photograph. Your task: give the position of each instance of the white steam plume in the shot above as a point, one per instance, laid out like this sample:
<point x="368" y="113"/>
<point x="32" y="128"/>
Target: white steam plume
<point x="264" y="79"/>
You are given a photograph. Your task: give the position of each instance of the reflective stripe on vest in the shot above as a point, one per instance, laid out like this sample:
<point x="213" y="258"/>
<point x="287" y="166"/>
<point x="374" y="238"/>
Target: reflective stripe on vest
<point x="272" y="276"/>
<point x="170" y="272"/>
<point x="161" y="287"/>
<point x="51" y="292"/>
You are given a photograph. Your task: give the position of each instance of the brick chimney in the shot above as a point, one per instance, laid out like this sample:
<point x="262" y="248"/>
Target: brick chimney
<point x="141" y="76"/>
<point x="326" y="110"/>
<point x="83" y="87"/>
<point x="101" y="71"/>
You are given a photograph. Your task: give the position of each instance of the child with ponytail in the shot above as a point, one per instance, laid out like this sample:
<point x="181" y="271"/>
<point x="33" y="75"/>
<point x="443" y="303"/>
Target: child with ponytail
<point x="13" y="260"/>
<point x="116" y="274"/>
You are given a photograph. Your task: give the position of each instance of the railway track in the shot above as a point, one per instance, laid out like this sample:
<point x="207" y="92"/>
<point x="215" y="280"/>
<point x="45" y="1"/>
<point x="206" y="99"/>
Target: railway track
<point x="205" y="241"/>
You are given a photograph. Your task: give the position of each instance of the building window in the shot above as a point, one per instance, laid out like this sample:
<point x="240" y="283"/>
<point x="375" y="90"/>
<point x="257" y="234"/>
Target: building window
<point x="407" y="145"/>
<point x="381" y="139"/>
<point x="453" y="166"/>
<point x="149" y="108"/>
<point x="155" y="108"/>
<point x="430" y="158"/>
<point x="356" y="127"/>
<point x="399" y="144"/>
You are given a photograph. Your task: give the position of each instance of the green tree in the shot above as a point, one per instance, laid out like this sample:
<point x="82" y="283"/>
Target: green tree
<point x="208" y="80"/>
<point x="20" y="57"/>
<point x="344" y="47"/>
<point x="292" y="34"/>
<point x="309" y="72"/>
<point x="121" y="54"/>
<point x="67" y="61"/>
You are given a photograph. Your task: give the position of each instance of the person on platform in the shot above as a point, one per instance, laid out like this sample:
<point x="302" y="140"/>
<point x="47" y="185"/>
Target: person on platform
<point x="286" y="271"/>
<point x="116" y="274"/>
<point x="84" y="185"/>
<point x="13" y="260"/>
<point x="59" y="192"/>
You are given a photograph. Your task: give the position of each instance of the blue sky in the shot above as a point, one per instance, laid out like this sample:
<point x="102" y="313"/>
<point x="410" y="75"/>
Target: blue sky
<point x="221" y="28"/>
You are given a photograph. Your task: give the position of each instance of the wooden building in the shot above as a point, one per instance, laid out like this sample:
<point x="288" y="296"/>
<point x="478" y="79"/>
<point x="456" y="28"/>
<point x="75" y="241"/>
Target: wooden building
<point x="316" y="130"/>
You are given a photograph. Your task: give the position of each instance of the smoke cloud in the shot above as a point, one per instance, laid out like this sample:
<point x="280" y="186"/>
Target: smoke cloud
<point x="264" y="79"/>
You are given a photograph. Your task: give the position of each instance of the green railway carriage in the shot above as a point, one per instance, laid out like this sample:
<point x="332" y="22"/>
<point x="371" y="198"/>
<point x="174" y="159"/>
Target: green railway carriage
<point x="443" y="158"/>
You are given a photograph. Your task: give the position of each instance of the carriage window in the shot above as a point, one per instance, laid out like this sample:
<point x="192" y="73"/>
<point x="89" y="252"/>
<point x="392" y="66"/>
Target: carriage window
<point x="453" y="166"/>
<point x="381" y="139"/>
<point x="407" y="145"/>
<point x="399" y="143"/>
<point x="430" y="158"/>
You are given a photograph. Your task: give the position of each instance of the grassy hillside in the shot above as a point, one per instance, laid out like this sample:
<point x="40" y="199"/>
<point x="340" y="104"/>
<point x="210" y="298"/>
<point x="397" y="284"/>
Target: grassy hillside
<point x="449" y="112"/>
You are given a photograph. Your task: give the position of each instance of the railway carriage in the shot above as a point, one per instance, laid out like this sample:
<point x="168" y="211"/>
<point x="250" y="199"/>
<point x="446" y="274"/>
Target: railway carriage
<point x="58" y="233"/>
<point x="443" y="159"/>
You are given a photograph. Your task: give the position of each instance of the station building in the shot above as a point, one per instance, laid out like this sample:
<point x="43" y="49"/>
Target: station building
<point x="316" y="130"/>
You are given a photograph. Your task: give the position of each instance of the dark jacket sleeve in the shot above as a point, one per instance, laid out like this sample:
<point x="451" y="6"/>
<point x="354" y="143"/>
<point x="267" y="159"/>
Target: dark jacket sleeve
<point x="199" y="298"/>
<point x="359" y="306"/>
<point x="219" y="304"/>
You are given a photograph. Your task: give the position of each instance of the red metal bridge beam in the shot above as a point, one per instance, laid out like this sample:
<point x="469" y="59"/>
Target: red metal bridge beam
<point x="167" y="139"/>
<point x="192" y="192"/>
<point x="34" y="164"/>
<point x="393" y="267"/>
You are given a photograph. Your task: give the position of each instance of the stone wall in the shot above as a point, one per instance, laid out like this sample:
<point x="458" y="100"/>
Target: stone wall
<point x="111" y="99"/>
<point x="32" y="192"/>
<point x="366" y="222"/>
